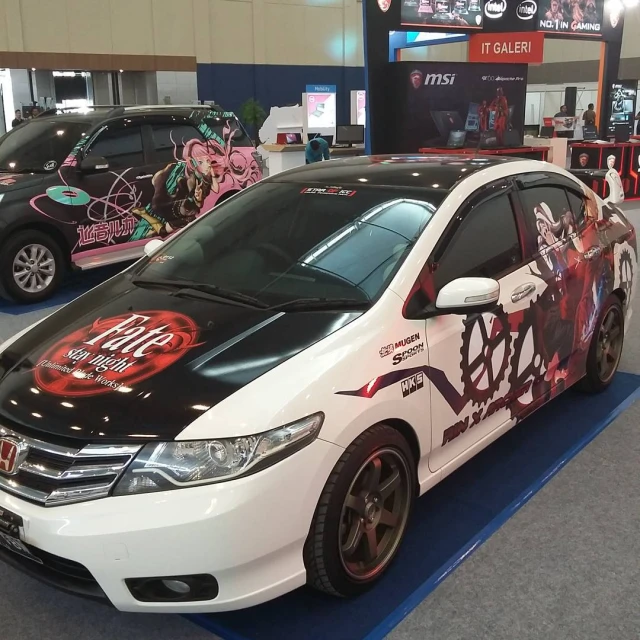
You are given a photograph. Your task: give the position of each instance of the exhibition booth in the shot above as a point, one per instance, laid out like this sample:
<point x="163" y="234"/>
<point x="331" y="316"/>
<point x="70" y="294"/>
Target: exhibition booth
<point x="477" y="106"/>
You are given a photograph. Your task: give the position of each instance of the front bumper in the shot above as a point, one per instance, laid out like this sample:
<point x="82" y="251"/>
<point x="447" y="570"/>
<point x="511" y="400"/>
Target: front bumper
<point x="248" y="533"/>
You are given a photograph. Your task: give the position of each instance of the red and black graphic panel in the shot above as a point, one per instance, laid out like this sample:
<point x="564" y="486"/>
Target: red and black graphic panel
<point x="116" y="353"/>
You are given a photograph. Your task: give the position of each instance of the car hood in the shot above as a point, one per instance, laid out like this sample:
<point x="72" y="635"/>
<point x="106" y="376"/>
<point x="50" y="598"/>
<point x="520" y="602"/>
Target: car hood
<point x="15" y="181"/>
<point x="123" y="363"/>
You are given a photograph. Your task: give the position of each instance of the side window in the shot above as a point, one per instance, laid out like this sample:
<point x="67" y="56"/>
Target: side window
<point x="547" y="216"/>
<point x="578" y="207"/>
<point x="169" y="140"/>
<point x="121" y="144"/>
<point x="485" y="244"/>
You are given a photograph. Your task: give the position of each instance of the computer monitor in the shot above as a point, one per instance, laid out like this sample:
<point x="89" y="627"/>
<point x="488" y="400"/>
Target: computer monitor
<point x="590" y="132"/>
<point x="350" y="134"/>
<point x="447" y="121"/>
<point x="456" y="139"/>
<point x="546" y="132"/>
<point x="622" y="132"/>
<point x="488" y="140"/>
<point x="293" y="138"/>
<point x="327" y="139"/>
<point x="511" y="138"/>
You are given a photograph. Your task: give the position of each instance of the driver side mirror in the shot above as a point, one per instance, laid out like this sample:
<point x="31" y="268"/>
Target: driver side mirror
<point x="463" y="296"/>
<point x="94" y="164"/>
<point x="152" y="246"/>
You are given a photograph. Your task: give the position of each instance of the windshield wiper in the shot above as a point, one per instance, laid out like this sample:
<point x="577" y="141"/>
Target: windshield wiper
<point x="304" y="304"/>
<point x="184" y="287"/>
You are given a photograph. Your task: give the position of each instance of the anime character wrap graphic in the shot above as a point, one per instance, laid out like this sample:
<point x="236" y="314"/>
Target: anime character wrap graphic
<point x="523" y="353"/>
<point x="183" y="187"/>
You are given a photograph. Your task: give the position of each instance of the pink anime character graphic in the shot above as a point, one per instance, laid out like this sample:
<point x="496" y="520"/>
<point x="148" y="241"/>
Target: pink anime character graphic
<point x="194" y="183"/>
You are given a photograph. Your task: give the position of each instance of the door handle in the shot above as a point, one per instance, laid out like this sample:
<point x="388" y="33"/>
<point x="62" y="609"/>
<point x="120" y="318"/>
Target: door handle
<point x="523" y="291"/>
<point x="592" y="253"/>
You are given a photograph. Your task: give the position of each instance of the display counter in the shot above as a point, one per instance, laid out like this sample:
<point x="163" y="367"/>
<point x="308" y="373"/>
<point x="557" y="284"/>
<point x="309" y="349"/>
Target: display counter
<point x="282" y="157"/>
<point x="530" y="153"/>
<point x="557" y="148"/>
<point x="594" y="155"/>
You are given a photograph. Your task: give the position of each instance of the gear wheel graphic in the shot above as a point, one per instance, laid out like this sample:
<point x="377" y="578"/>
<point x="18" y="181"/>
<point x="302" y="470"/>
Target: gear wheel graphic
<point x="526" y="366"/>
<point x="481" y="372"/>
<point x="626" y="273"/>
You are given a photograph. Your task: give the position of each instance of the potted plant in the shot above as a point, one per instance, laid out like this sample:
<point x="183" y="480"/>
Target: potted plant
<point x="253" y="116"/>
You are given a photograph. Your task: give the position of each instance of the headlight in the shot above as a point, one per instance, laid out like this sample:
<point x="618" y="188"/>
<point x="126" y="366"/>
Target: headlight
<point x="177" y="465"/>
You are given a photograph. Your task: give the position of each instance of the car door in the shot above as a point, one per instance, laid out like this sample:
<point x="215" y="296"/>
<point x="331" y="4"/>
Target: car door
<point x="182" y="171"/>
<point x="555" y="245"/>
<point x="117" y="198"/>
<point x="473" y="391"/>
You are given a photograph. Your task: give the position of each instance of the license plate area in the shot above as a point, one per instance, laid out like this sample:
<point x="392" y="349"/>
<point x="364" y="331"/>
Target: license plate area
<point x="10" y="526"/>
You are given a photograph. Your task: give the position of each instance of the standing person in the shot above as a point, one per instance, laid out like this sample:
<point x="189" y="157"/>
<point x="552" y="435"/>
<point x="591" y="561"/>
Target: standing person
<point x="35" y="112"/>
<point x="562" y="113"/>
<point x="316" y="151"/>
<point x="18" y="119"/>
<point x="589" y="116"/>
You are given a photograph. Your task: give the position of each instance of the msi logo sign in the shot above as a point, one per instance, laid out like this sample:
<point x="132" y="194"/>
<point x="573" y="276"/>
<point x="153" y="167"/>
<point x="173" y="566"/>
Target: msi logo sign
<point x="439" y="79"/>
<point x="10" y="456"/>
<point x="412" y="384"/>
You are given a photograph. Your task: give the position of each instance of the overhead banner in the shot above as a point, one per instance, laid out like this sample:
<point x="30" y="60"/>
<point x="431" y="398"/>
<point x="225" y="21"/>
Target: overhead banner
<point x="433" y="99"/>
<point x="452" y="14"/>
<point x="510" y="15"/>
<point x="525" y="48"/>
<point x="568" y="17"/>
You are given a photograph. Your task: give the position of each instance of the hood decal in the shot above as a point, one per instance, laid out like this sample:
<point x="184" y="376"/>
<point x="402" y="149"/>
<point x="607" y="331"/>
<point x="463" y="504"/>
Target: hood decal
<point x="115" y="353"/>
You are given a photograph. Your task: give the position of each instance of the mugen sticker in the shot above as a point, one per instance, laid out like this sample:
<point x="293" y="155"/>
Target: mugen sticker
<point x="114" y="354"/>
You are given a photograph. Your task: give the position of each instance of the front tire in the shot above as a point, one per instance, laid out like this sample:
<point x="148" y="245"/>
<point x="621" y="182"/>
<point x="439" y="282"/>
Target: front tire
<point x="32" y="266"/>
<point x="605" y="349"/>
<point x="362" y="514"/>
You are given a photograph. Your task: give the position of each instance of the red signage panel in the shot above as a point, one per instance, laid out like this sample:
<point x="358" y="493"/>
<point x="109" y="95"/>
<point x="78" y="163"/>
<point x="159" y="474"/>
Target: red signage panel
<point x="507" y="47"/>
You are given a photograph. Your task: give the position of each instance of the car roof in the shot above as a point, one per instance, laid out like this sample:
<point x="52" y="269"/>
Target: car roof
<point x="440" y="173"/>
<point x="101" y="113"/>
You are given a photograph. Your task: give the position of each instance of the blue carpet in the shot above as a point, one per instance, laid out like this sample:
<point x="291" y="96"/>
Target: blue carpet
<point x="448" y="524"/>
<point x="76" y="283"/>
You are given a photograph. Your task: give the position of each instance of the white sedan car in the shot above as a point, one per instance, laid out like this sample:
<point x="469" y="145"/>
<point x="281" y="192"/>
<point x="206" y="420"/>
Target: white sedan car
<point x="256" y="404"/>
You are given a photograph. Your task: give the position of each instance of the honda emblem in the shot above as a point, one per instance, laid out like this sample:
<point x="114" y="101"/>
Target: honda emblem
<point x="12" y="454"/>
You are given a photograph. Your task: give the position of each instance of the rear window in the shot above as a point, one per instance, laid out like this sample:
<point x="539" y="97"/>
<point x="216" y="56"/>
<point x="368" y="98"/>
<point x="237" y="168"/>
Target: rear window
<point x="223" y="123"/>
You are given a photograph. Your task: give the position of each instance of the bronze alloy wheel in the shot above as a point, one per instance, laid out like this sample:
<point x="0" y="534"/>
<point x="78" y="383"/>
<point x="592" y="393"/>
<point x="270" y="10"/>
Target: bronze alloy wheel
<point x="374" y="514"/>
<point x="609" y="346"/>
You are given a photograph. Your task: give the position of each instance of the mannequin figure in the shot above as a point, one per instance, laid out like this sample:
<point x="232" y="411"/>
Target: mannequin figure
<point x="616" y="190"/>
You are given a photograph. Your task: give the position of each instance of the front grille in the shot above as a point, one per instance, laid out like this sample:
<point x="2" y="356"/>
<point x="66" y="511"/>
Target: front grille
<point x="52" y="475"/>
<point x="55" y="571"/>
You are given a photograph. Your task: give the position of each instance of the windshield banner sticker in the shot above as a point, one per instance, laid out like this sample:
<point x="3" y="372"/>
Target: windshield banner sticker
<point x="328" y="191"/>
<point x="114" y="354"/>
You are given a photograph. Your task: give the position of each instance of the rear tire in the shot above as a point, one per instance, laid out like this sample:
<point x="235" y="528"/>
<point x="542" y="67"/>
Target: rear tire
<point x="32" y="266"/>
<point x="362" y="514"/>
<point x="605" y="349"/>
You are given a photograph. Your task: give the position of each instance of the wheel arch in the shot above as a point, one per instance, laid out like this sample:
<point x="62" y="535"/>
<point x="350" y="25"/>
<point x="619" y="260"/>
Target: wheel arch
<point x="408" y="433"/>
<point x="44" y="227"/>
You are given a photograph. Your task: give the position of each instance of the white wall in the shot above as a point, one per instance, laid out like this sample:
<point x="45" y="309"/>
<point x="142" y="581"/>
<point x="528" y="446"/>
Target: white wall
<point x="179" y="87"/>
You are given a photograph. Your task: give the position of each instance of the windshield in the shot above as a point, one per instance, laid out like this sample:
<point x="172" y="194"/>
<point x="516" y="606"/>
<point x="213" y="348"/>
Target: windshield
<point x="39" y="146"/>
<point x="282" y="242"/>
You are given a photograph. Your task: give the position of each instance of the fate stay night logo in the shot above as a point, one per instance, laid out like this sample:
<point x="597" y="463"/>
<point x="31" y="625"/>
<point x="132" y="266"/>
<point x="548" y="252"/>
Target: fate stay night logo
<point x="114" y="354"/>
<point x="412" y="384"/>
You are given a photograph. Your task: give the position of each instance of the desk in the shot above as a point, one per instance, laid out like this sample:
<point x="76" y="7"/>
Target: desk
<point x="282" y="157"/>
<point x="557" y="148"/>
<point x="585" y="155"/>
<point x="529" y="153"/>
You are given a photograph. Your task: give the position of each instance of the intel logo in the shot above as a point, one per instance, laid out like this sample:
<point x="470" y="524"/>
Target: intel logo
<point x="527" y="9"/>
<point x="495" y="8"/>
